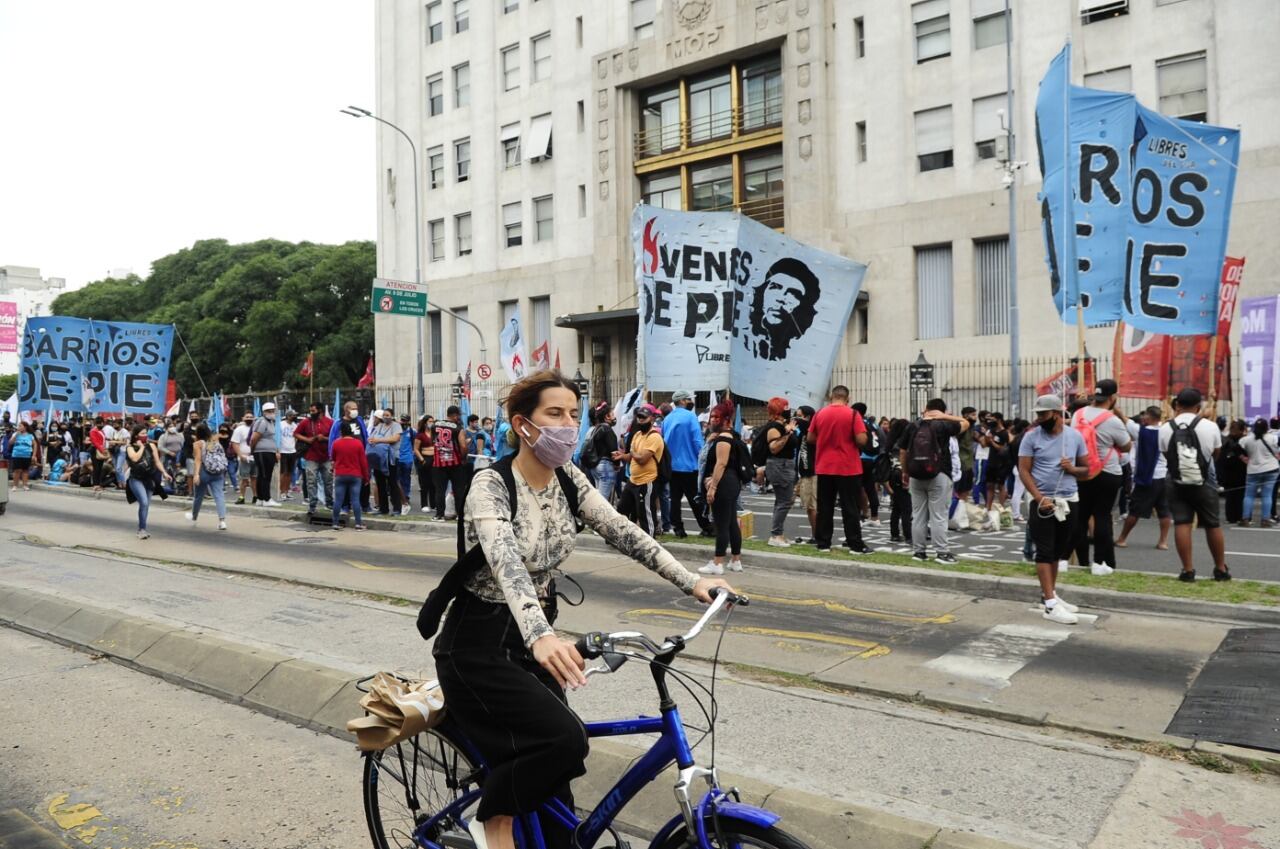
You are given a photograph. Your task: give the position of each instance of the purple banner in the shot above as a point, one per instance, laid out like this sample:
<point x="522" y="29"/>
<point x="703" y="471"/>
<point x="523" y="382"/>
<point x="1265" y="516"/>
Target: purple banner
<point x="1260" y="356"/>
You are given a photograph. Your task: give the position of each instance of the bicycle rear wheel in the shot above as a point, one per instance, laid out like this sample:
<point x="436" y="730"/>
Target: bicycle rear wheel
<point x="735" y="834"/>
<point x="410" y="782"/>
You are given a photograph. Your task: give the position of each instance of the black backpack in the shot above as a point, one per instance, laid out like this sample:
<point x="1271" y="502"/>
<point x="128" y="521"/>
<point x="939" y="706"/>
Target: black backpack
<point x="588" y="458"/>
<point x="760" y="452"/>
<point x="924" y="460"/>
<point x="664" y="463"/>
<point x="1187" y="464"/>
<point x="473" y="561"/>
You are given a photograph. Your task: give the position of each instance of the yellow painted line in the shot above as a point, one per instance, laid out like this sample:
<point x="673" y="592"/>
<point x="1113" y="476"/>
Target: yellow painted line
<point x="869" y="649"/>
<point x="835" y="607"/>
<point x="71" y="816"/>
<point x="369" y="567"/>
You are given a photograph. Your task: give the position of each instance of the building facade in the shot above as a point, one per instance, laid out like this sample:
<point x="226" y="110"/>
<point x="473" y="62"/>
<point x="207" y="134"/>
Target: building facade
<point x="870" y="128"/>
<point x="23" y="294"/>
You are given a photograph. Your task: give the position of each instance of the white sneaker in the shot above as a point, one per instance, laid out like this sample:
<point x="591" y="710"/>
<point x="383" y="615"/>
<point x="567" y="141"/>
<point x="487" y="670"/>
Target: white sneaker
<point x="1060" y="614"/>
<point x="270" y="502"/>
<point x="404" y="511"/>
<point x="222" y="524"/>
<point x="1062" y="602"/>
<point x="778" y="542"/>
<point x="735" y="565"/>
<point x="476" y="829"/>
<point x="143" y="535"/>
<point x="712" y="568"/>
<point x="1101" y="569"/>
<point x="875" y="523"/>
<point x="1063" y="566"/>
<point x="190" y="518"/>
<point x="426" y="509"/>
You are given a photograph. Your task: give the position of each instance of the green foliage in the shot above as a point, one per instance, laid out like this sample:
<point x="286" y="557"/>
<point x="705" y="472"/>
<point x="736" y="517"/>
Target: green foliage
<point x="8" y="385"/>
<point x="249" y="313"/>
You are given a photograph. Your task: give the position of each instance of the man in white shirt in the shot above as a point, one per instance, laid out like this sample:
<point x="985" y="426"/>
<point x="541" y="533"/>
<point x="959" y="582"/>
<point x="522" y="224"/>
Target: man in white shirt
<point x="1192" y="483"/>
<point x="244" y="455"/>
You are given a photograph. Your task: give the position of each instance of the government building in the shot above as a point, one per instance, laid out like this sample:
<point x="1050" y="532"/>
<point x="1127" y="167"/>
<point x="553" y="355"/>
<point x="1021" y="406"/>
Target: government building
<point x="874" y="129"/>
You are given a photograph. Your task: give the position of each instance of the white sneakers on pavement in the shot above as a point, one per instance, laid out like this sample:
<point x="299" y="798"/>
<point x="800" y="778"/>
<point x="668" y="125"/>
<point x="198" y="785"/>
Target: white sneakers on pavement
<point x="1101" y="569"/>
<point x="143" y="535"/>
<point x="404" y="511"/>
<point x="270" y="502"/>
<point x="1062" y="602"/>
<point x="189" y="517"/>
<point x="712" y="568"/>
<point x="1059" y="613"/>
<point x="735" y="565"/>
<point x="779" y="542"/>
<point x="426" y="509"/>
<point x="222" y="524"/>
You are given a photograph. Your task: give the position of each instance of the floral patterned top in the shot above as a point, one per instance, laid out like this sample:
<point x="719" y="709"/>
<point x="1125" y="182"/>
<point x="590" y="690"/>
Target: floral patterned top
<point x="524" y="552"/>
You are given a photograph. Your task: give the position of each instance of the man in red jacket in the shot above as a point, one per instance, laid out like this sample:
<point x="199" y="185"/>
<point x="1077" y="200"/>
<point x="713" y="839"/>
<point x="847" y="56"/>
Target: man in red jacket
<point x="838" y="434"/>
<point x="312" y="437"/>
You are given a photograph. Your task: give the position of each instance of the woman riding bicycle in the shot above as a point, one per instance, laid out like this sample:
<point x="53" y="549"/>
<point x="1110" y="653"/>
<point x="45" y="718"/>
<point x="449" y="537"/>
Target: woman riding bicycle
<point x="500" y="664"/>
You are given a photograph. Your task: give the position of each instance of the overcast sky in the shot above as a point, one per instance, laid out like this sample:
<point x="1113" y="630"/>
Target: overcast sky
<point x="133" y="128"/>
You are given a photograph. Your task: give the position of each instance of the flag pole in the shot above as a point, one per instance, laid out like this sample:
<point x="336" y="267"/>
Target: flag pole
<point x="311" y="389"/>
<point x="1213" y="374"/>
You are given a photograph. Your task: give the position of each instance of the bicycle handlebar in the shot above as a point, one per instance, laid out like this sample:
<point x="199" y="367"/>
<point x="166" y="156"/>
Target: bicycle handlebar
<point x="595" y="644"/>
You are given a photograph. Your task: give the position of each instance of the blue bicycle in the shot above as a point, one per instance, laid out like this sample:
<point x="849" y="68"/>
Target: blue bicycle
<point x="436" y="777"/>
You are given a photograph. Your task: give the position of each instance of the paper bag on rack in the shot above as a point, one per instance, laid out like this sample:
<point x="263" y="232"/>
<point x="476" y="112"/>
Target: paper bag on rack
<point x="396" y="710"/>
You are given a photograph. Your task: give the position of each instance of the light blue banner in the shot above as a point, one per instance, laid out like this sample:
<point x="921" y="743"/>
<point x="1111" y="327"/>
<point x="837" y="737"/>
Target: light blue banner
<point x="85" y="366"/>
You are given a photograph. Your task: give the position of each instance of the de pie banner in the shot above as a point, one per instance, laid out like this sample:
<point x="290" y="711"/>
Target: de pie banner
<point x="1135" y="207"/>
<point x="1260" y="356"/>
<point x="85" y="366"/>
<point x="728" y="302"/>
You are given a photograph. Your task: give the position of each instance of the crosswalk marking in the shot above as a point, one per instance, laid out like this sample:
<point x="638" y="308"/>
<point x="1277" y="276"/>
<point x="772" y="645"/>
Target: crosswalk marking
<point x="996" y="655"/>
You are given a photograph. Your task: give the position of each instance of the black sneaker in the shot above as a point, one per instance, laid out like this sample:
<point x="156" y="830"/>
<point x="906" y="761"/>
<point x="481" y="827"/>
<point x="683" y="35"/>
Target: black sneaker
<point x="1224" y="575"/>
<point x="896" y="538"/>
<point x="861" y="549"/>
<point x="681" y="534"/>
<point x="922" y="556"/>
<point x="944" y="557"/>
<point x="821" y="548"/>
<point x="1187" y="577"/>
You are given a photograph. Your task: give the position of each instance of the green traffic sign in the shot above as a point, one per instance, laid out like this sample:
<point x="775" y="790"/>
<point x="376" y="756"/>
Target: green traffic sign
<point x="398" y="297"/>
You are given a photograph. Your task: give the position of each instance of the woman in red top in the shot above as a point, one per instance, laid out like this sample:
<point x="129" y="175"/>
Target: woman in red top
<point x="100" y="453"/>
<point x="350" y="471"/>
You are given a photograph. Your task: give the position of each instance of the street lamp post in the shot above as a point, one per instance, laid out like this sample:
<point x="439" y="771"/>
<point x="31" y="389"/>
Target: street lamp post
<point x="919" y="376"/>
<point x="357" y="112"/>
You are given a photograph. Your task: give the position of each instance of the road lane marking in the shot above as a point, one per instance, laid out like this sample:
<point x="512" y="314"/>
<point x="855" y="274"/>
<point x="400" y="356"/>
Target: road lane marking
<point x="835" y="607"/>
<point x="995" y="655"/>
<point x="369" y="567"/>
<point x="1249" y="554"/>
<point x="869" y="648"/>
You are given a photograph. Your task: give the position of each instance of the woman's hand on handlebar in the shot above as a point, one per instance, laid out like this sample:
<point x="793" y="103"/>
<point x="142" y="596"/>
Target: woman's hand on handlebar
<point x="702" y="589"/>
<point x="561" y="659"/>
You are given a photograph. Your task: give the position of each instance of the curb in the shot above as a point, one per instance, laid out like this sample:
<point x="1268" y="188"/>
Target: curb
<point x="323" y="699"/>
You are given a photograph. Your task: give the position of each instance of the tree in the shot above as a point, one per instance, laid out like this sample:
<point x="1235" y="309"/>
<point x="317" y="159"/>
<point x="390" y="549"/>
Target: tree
<point x="249" y="313"/>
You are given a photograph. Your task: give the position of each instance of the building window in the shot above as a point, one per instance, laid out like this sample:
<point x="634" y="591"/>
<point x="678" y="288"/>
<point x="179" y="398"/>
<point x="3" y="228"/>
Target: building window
<point x="582" y="116"/>
<point x="540" y="46"/>
<point x="661" y="120"/>
<point x="861" y="128"/>
<point x="762" y="93"/>
<point x="661" y="190"/>
<point x="990" y="27"/>
<point x="435" y="167"/>
<point x="859" y="38"/>
<point x="933" y="138"/>
<point x="540" y="320"/>
<point x="932" y="20"/>
<point x="711" y="186"/>
<point x="710" y="108"/>
<point x="509" y="138"/>
<point x="1116" y="79"/>
<point x="642" y="12"/>
<point x="762" y="186"/>
<point x="435" y="346"/>
<point x="461" y="339"/>
<point x="462" y="233"/>
<point x="539" y="144"/>
<point x="462" y="85"/>
<point x="435" y="95"/>
<point x="435" y="236"/>
<point x="934" y="293"/>
<point x="578" y="24"/>
<point x="861" y="322"/>
<point x="435" y="21"/>
<point x="512" y="225"/>
<point x="1183" y="85"/>
<point x="461" y="15"/>
<point x="582" y="201"/>
<point x="511" y="68"/>
<point x="1093" y="11"/>
<point x="986" y="124"/>
<point x="509" y="6"/>
<point x="543" y="219"/>
<point x="462" y="159"/>
<point x="991" y="258"/>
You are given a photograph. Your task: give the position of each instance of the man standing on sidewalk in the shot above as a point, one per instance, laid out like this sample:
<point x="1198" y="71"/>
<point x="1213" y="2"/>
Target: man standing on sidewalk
<point x="262" y="441"/>
<point x="1190" y="445"/>
<point x="806" y="480"/>
<point x="1149" y="470"/>
<point x="1051" y="460"/>
<point x="451" y="450"/>
<point x="838" y="434"/>
<point x="683" y="437"/>
<point x="240" y="440"/>
<point x="312" y="437"/>
<point x="924" y="452"/>
<point x="1105" y="427"/>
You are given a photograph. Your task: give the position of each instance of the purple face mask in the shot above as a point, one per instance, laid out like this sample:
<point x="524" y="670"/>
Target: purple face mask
<point x="554" y="446"/>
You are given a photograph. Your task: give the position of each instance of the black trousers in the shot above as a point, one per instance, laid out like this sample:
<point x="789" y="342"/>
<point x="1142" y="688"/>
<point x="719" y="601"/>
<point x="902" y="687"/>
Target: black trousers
<point x="426" y="485"/>
<point x="900" y="516"/>
<point x="1233" y="502"/>
<point x="445" y="475"/>
<point x="845" y="488"/>
<point x="388" y="488"/>
<point x="648" y="507"/>
<point x="1097" y="500"/>
<point x="873" y="495"/>
<point x="725" y="513"/>
<point x="266" y="461"/>
<point x="684" y="487"/>
<point x="511" y="709"/>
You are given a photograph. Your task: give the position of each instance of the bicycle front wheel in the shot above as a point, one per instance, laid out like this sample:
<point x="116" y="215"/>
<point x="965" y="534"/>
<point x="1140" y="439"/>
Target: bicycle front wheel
<point x="408" y="783"/>
<point x="734" y="834"/>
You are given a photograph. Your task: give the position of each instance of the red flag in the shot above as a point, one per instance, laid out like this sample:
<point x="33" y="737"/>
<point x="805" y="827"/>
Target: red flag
<point x="541" y="357"/>
<point x="557" y="359"/>
<point x="466" y="382"/>
<point x="1065" y="385"/>
<point x="309" y="367"/>
<point x="367" y="379"/>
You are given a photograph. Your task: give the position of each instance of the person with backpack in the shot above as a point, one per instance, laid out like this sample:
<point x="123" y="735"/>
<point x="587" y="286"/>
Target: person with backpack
<point x="773" y="453"/>
<point x="145" y="467"/>
<point x="1106" y="436"/>
<point x="1149" y="470"/>
<point x="875" y="466"/>
<point x="644" y="452"/>
<point x="727" y="471"/>
<point x="210" y="464"/>
<point x="1190" y="444"/>
<point x="838" y="434"/>
<point x="924" y="453"/>
<point x="899" y="487"/>
<point x="806" y="477"/>
<point x="1262" y="450"/>
<point x="683" y="437"/>
<point x="597" y="451"/>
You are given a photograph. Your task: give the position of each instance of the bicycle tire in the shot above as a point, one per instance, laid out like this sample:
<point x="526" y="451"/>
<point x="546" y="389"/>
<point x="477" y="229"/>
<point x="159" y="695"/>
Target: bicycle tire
<point x="439" y="772"/>
<point x="737" y="833"/>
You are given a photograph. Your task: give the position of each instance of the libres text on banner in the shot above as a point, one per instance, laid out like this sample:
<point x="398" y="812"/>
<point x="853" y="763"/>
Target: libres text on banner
<point x="79" y="365"/>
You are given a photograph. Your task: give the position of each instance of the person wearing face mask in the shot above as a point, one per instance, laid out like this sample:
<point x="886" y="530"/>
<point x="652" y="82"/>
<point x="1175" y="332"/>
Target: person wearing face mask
<point x="170" y="443"/>
<point x="501" y="665"/>
<point x="245" y="470"/>
<point x="644" y="452"/>
<point x="288" y="452"/>
<point x="451" y="452"/>
<point x="262" y="440"/>
<point x="143" y="462"/>
<point x="312" y="436"/>
<point x="1052" y="459"/>
<point x="351" y="413"/>
<point x="1106" y="434"/>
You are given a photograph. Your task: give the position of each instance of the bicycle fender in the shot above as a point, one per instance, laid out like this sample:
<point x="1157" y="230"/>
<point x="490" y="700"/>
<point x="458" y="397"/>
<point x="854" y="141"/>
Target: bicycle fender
<point x="727" y="810"/>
